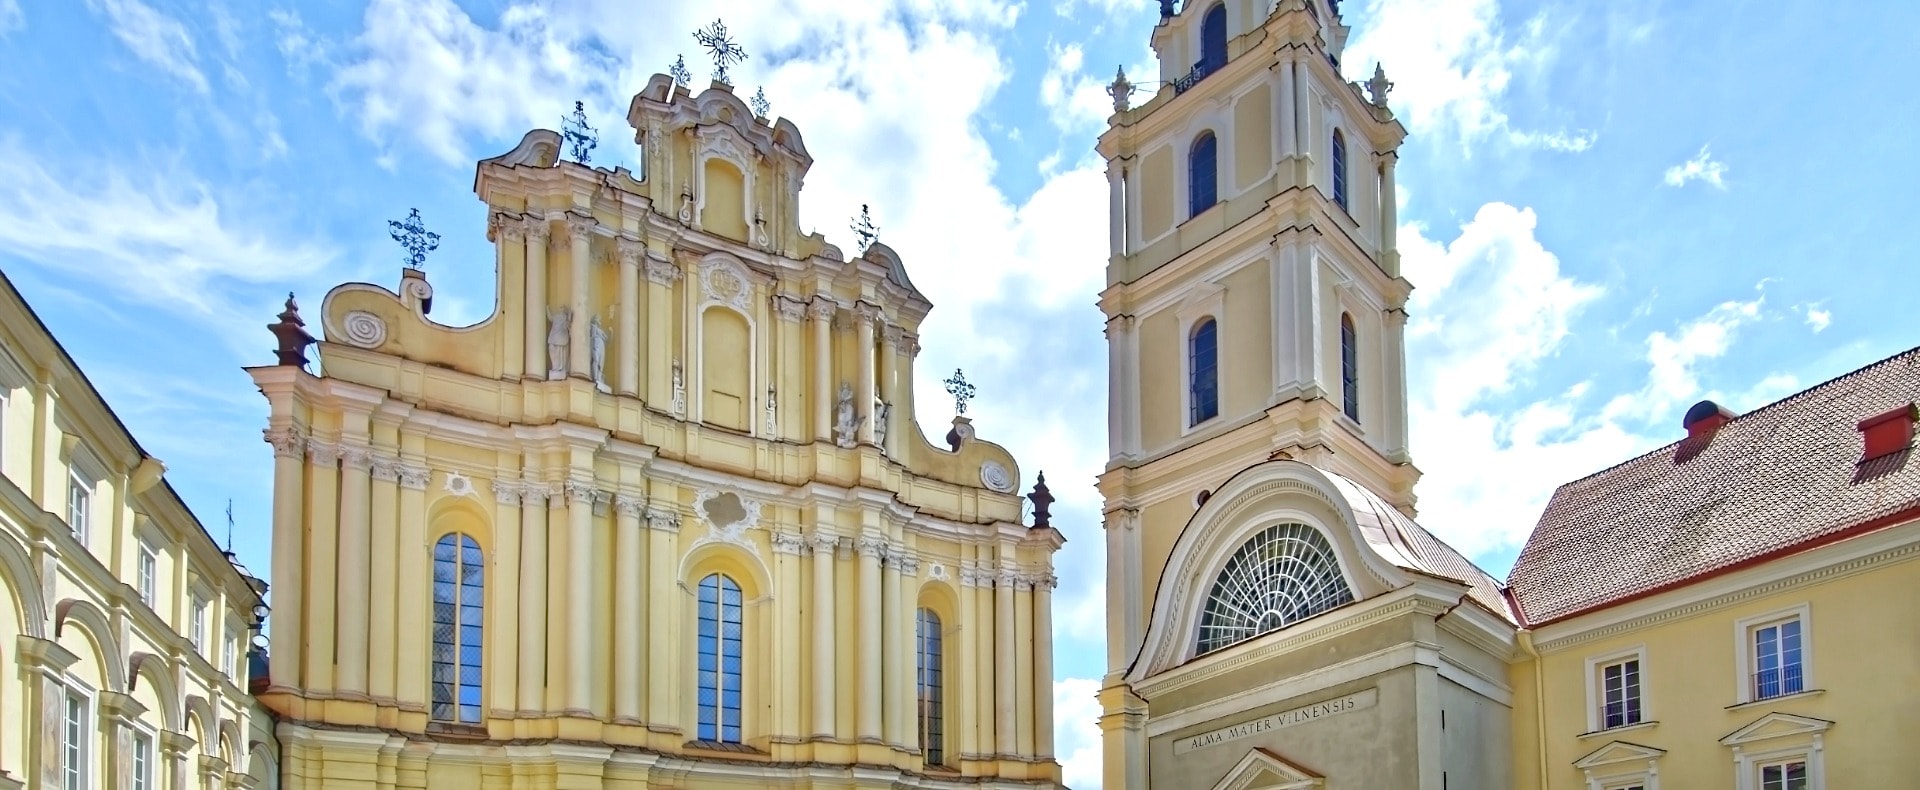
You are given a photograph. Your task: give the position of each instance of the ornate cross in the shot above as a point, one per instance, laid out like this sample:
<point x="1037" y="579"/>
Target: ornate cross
<point x="721" y="48"/>
<point x="580" y="137"/>
<point x="413" y="236"/>
<point x="864" y="229"/>
<point x="961" y="391"/>
<point x="681" y="76"/>
<point x="760" y="104"/>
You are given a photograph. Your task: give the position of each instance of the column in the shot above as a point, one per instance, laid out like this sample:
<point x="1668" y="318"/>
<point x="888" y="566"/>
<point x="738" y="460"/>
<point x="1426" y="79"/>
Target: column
<point x="986" y="686"/>
<point x="118" y="712"/>
<point x="789" y="339"/>
<point x="354" y="585"/>
<point x="1303" y="118"/>
<point x="965" y="717"/>
<point x="416" y="570"/>
<point x="629" y="622"/>
<point x="787" y="548"/>
<point x="384" y="509"/>
<point x="580" y="275"/>
<point x="824" y="636"/>
<point x="1117" y="329"/>
<point x="1116" y="209"/>
<point x="289" y="554"/>
<point x="1389" y="216"/>
<point x="502" y="636"/>
<point x="892" y="643"/>
<point x="1026" y="683"/>
<point x="907" y="690"/>
<point x="889" y="389"/>
<point x="509" y="236"/>
<point x="1283" y="112"/>
<point x="533" y="596"/>
<point x="628" y="345"/>
<point x="868" y="722"/>
<point x="865" y="316"/>
<point x="1394" y="389"/>
<point x="536" y="231"/>
<point x="1043" y="664"/>
<point x="661" y="275"/>
<point x="1004" y="663"/>
<point x="43" y="662"/>
<point x="663" y="613"/>
<point x="821" y="311"/>
<point x="323" y="531"/>
<point x="580" y="631"/>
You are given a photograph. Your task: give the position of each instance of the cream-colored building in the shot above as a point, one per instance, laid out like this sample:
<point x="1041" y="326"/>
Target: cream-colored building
<point x="665" y="518"/>
<point x="123" y="626"/>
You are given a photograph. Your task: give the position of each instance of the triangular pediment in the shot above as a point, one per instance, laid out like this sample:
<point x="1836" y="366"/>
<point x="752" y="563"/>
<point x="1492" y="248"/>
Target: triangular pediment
<point x="1618" y="752"/>
<point x="1776" y="725"/>
<point x="1264" y="770"/>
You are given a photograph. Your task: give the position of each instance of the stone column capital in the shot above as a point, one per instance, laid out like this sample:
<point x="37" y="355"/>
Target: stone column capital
<point x="631" y="251"/>
<point x="537" y="229"/>
<point x="871" y="547"/>
<point x="629" y="505"/>
<point x="414" y="476"/>
<point x="662" y="519"/>
<point x="788" y="543"/>
<point x="580" y="226"/>
<point x="506" y="492"/>
<point x="789" y="307"/>
<point x="288" y="441"/>
<point x="822" y="308"/>
<point x="119" y="708"/>
<point x="661" y="270"/>
<point x="532" y="493"/>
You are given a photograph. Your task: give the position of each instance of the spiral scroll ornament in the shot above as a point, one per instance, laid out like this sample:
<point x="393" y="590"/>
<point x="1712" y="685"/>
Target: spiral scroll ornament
<point x="995" y="477"/>
<point x="364" y="329"/>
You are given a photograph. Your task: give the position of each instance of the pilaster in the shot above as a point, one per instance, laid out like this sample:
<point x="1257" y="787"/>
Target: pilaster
<point x="662" y="273"/>
<point x="383" y="507"/>
<point x="509" y="237"/>
<point x="416" y="570"/>
<point x="627" y="350"/>
<point x="582" y="641"/>
<point x="43" y="662"/>
<point x="1006" y="696"/>
<point x="629" y="608"/>
<point x="503" y="597"/>
<point x="580" y="275"/>
<point x="355" y="582"/>
<point x="289" y="553"/>
<point x="537" y="231"/>
<point x="821" y="310"/>
<point x="323" y="519"/>
<point x="824" y="636"/>
<point x="663" y="613"/>
<point x="866" y="317"/>
<point x="533" y="593"/>
<point x="872" y="550"/>
<point x="893" y="644"/>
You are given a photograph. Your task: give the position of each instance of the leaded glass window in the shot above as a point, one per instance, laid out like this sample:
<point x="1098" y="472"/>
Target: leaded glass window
<point x="932" y="714"/>
<point x="1203" y="174"/>
<point x="719" y="670"/>
<point x="1340" y="169"/>
<point x="1203" y="372"/>
<point x="459" y="606"/>
<point x="1349" y="368"/>
<point x="1284" y="574"/>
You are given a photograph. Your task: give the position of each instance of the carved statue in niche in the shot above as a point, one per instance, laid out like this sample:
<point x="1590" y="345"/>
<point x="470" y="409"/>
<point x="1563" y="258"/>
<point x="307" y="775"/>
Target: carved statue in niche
<point x="846" y="426"/>
<point x="599" y="356"/>
<point x="679" y="391"/>
<point x="882" y="410"/>
<point x="773" y="412"/>
<point x="559" y="325"/>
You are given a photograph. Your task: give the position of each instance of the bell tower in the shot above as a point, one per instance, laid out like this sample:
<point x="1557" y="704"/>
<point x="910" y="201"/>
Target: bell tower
<point x="1254" y="303"/>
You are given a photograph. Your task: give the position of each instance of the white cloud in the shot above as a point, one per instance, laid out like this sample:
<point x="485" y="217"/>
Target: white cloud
<point x="1701" y="167"/>
<point x="159" y="40"/>
<point x="1672" y="379"/>
<point x="1819" y="319"/>
<point x="1076" y="732"/>
<point x="1067" y="8"/>
<point x="11" y="17"/>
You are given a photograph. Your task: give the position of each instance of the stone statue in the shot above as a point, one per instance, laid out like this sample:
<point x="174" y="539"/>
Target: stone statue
<point x="559" y="324"/>
<point x="846" y="426"/>
<point x="599" y="356"/>
<point x="679" y="391"/>
<point x="773" y="413"/>
<point x="881" y="411"/>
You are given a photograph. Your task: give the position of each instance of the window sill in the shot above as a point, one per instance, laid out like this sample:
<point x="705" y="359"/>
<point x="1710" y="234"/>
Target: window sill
<point x="721" y="746"/>
<point x="1777" y="698"/>
<point x="1622" y="728"/>
<point x="464" y="731"/>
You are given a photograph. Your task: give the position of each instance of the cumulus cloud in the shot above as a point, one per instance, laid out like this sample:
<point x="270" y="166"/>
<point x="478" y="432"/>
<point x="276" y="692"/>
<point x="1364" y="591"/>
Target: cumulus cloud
<point x="1701" y="167"/>
<point x="155" y="38"/>
<point x="1076" y="731"/>
<point x="1818" y="319"/>
<point x="1672" y="359"/>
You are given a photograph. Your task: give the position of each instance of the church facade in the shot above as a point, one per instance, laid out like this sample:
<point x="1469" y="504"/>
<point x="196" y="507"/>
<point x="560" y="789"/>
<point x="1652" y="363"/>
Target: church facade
<point x="663" y="519"/>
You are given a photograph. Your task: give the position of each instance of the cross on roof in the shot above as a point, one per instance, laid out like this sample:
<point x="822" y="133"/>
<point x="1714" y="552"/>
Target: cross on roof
<point x="961" y="391"/>
<point x="580" y="137"/>
<point x="681" y="75"/>
<point x="864" y="229"/>
<point x="721" y="48"/>
<point x="413" y="236"/>
<point x="759" y="103"/>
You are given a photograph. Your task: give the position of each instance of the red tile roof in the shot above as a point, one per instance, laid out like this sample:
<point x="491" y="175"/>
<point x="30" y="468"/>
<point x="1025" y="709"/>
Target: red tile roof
<point x="1785" y="475"/>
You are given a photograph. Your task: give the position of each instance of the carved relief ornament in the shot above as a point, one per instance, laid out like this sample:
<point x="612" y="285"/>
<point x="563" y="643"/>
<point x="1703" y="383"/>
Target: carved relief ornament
<point x="789" y="307"/>
<point x="662" y="270"/>
<point x="288" y="442"/>
<point x="629" y="505"/>
<point x="726" y="282"/>
<point x="788" y="543"/>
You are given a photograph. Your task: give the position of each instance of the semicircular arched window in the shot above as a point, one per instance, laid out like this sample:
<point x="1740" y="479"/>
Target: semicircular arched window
<point x="1282" y="575"/>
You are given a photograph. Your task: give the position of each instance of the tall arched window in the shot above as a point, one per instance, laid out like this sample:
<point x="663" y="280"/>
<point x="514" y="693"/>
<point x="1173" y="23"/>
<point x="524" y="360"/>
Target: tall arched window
<point x="719" y="647"/>
<point x="459" y="605"/>
<point x="1284" y="574"/>
<point x="1340" y="168"/>
<point x="932" y="713"/>
<point x="1203" y="174"/>
<point x="1213" y="39"/>
<point x="1203" y="372"/>
<point x="1349" y="368"/>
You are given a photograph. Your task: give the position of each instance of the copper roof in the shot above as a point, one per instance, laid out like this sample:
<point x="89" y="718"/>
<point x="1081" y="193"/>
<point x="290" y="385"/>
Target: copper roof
<point x="1403" y="542"/>
<point x="1783" y="476"/>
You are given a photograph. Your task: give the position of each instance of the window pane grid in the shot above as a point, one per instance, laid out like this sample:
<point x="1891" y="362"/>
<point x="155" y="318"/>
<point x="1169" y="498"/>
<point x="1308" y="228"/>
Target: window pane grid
<point x="142" y="762"/>
<point x="79" y="510"/>
<point x="1777" y="660"/>
<point x="1203" y="360"/>
<point x="1784" y="776"/>
<point x="1284" y="574"/>
<point x="149" y="568"/>
<point x="1340" y="169"/>
<point x="1621" y="690"/>
<point x="1203" y="174"/>
<point x="1349" y="369"/>
<point x="932" y="713"/>
<point x="459" y="605"/>
<point x="719" y="652"/>
<point x="73" y="753"/>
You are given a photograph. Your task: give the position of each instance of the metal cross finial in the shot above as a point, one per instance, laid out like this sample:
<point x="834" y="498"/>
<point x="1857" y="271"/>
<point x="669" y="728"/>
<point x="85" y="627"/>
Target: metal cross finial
<point x="721" y="48"/>
<point x="864" y="229"/>
<point x="681" y="76"/>
<point x="580" y="137"/>
<point x="760" y="103"/>
<point x="229" y="527"/>
<point x="414" y="237"/>
<point x="961" y="391"/>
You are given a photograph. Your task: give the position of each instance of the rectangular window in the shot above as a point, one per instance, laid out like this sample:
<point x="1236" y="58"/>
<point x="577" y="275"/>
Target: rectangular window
<point x="1620" y="694"/>
<point x="197" y="623"/>
<point x="148" y="572"/>
<point x="1777" y="659"/>
<point x="1784" y="776"/>
<point x="226" y="653"/>
<point x="142" y="761"/>
<point x="74" y="741"/>
<point x="79" y="507"/>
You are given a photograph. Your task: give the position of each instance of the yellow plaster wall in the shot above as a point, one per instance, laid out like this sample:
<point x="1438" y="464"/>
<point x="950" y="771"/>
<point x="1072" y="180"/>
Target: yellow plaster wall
<point x="1253" y="139"/>
<point x="1157" y="201"/>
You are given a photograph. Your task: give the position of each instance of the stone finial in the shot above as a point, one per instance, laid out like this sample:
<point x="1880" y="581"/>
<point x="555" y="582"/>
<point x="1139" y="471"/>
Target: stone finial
<point x="1166" y="9"/>
<point x="1042" y="500"/>
<point x="1121" y="90"/>
<point x="293" y="335"/>
<point x="1379" y="86"/>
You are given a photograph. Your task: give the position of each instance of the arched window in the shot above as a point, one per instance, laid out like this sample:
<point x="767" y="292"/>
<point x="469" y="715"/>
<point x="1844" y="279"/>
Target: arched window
<point x="1284" y="574"/>
<point x="459" y="596"/>
<point x="932" y="714"/>
<point x="1203" y="372"/>
<point x="1203" y="174"/>
<point x="1340" y="168"/>
<point x="1213" y="39"/>
<point x="719" y="660"/>
<point x="1349" y="368"/>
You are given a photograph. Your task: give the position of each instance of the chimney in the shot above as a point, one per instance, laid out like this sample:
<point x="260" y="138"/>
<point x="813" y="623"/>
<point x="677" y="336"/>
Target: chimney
<point x="1706" y="417"/>
<point x="1888" y="433"/>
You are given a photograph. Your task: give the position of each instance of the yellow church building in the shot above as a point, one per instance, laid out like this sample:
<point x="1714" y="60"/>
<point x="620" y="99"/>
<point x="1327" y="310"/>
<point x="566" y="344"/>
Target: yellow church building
<point x="665" y="518"/>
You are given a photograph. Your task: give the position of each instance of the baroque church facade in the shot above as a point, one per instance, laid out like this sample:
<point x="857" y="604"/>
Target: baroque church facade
<point x="665" y="518"/>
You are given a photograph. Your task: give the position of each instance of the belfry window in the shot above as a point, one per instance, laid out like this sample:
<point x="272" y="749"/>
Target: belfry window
<point x="932" y="714"/>
<point x="1349" y="368"/>
<point x="1203" y="175"/>
<point x="1203" y="372"/>
<point x="719" y="670"/>
<point x="459" y="595"/>
<point x="1340" y="169"/>
<point x="1284" y="574"/>
<point x="1213" y="39"/>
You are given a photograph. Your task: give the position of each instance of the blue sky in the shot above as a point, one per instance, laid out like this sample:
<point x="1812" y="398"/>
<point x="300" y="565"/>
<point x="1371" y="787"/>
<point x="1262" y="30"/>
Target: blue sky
<point x="1612" y="210"/>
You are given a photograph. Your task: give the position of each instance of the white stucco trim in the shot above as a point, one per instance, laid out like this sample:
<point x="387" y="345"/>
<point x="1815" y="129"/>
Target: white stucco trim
<point x="1596" y="695"/>
<point x="1778" y="738"/>
<point x="1207" y="300"/>
<point x="1744" y="659"/>
<point x="1621" y="765"/>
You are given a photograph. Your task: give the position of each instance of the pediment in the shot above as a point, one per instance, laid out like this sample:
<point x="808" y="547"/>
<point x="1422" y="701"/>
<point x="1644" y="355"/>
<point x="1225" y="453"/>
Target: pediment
<point x="1618" y="752"/>
<point x="1264" y="770"/>
<point x="1776" y="725"/>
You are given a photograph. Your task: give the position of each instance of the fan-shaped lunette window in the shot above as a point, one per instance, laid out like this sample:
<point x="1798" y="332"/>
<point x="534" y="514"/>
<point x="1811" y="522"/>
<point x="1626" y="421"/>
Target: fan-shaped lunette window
<point x="1284" y="574"/>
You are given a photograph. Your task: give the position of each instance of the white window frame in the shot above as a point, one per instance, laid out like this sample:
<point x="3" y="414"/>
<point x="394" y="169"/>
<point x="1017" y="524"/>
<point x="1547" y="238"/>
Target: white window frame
<point x="1789" y="738"/>
<point x="1620" y="765"/>
<point x="80" y="506"/>
<point x="1750" y="765"/>
<point x="1209" y="300"/>
<point x="1745" y="659"/>
<point x="197" y="606"/>
<point x="146" y="572"/>
<point x="135" y="776"/>
<point x="228" y="642"/>
<point x="1760" y="769"/>
<point x="1597" y="693"/>
<point x="74" y="690"/>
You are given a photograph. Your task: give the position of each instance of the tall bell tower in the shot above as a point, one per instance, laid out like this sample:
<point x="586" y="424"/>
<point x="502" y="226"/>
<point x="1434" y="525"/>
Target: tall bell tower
<point x="1255" y="308"/>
